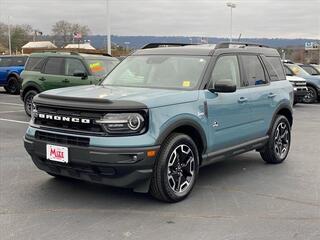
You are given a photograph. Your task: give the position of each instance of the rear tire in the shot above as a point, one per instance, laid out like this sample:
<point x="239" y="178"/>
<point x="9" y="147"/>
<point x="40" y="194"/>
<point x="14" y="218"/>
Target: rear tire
<point x="176" y="169"/>
<point x="277" y="148"/>
<point x="13" y="86"/>
<point x="27" y="100"/>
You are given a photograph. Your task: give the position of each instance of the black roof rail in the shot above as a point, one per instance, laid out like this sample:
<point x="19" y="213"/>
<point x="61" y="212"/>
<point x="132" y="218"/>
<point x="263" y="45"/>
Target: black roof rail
<point x="241" y="44"/>
<point x="158" y="45"/>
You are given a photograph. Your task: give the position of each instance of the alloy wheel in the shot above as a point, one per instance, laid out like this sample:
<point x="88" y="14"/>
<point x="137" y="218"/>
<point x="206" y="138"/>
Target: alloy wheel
<point x="281" y="140"/>
<point x="181" y="168"/>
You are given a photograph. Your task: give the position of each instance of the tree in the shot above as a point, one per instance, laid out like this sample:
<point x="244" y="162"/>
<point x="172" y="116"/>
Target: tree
<point x="20" y="35"/>
<point x="65" y="30"/>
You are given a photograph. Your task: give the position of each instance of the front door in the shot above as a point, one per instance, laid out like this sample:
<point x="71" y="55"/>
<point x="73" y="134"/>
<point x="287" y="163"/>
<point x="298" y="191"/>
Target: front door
<point x="229" y="114"/>
<point x="73" y="66"/>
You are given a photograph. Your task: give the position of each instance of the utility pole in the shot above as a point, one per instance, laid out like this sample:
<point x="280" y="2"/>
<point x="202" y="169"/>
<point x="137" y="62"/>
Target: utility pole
<point x="108" y="28"/>
<point x="9" y="35"/>
<point x="231" y="6"/>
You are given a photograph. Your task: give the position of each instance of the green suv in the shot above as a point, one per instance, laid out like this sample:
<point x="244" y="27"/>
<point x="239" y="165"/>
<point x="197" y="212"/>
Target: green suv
<point x="50" y="70"/>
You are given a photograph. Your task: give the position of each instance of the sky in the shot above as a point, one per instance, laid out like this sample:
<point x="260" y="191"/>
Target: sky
<point x="207" y="18"/>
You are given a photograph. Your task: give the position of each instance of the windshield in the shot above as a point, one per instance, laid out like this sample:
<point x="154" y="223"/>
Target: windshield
<point x="158" y="71"/>
<point x="101" y="67"/>
<point x="298" y="71"/>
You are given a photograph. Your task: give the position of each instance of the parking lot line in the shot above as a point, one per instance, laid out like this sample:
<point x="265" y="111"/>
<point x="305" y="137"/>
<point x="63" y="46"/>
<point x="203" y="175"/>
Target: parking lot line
<point x="12" y="111"/>
<point x="14" y="104"/>
<point x="14" y="121"/>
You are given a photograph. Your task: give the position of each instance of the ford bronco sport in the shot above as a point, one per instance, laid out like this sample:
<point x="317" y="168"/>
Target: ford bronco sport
<point x="51" y="70"/>
<point x="161" y="114"/>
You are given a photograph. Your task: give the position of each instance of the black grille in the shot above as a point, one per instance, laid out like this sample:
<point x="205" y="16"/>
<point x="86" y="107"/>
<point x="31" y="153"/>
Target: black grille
<point x="93" y="127"/>
<point x="62" y="139"/>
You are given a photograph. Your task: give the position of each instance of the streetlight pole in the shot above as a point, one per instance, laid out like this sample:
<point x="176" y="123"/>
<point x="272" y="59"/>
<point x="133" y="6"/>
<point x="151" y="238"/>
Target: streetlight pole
<point x="108" y="28"/>
<point x="9" y="35"/>
<point x="231" y="6"/>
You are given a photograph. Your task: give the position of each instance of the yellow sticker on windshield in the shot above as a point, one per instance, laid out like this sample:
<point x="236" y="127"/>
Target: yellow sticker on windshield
<point x="295" y="70"/>
<point x="186" y="84"/>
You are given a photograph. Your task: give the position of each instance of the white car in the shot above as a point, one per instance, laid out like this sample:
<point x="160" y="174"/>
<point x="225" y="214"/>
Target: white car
<point x="300" y="88"/>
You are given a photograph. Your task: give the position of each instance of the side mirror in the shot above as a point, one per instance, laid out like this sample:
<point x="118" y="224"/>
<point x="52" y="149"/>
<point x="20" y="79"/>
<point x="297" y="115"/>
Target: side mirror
<point x="83" y="75"/>
<point x="224" y="86"/>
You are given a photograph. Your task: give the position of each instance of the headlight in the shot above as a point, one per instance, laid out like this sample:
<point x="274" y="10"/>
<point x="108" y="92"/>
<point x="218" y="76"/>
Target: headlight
<point x="123" y="123"/>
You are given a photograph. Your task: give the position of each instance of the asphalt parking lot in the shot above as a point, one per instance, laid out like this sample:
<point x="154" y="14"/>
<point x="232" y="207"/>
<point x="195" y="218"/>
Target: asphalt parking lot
<point x="240" y="198"/>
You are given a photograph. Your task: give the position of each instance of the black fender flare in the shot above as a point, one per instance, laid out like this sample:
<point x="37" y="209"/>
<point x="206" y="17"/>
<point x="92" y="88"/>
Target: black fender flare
<point x="281" y="106"/>
<point x="16" y="75"/>
<point x="183" y="123"/>
<point x="27" y="87"/>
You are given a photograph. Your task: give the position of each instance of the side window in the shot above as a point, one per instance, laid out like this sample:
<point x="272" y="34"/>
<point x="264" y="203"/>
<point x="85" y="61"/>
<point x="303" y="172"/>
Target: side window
<point x="34" y="64"/>
<point x="310" y="70"/>
<point x="72" y="66"/>
<point x="277" y="67"/>
<point x="5" y="62"/>
<point x="226" y="67"/>
<point x="254" y="72"/>
<point x="54" y="66"/>
<point x="18" y="61"/>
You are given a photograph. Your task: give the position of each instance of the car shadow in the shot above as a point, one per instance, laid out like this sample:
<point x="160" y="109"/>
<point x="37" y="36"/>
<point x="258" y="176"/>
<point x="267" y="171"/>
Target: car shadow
<point x="64" y="192"/>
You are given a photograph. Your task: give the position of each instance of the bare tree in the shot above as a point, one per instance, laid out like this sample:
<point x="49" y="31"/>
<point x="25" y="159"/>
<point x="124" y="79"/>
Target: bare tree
<point x="62" y="29"/>
<point x="65" y="30"/>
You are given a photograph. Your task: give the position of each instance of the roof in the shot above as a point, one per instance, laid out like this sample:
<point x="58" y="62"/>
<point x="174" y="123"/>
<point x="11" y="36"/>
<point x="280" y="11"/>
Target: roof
<point x="209" y="49"/>
<point x="41" y="44"/>
<point x="81" y="45"/>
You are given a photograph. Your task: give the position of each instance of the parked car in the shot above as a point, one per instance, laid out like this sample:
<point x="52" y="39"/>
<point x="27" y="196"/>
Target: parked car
<point x="300" y="88"/>
<point x="10" y="69"/>
<point x="161" y="114"/>
<point x="49" y="70"/>
<point x="313" y="82"/>
<point x="311" y="69"/>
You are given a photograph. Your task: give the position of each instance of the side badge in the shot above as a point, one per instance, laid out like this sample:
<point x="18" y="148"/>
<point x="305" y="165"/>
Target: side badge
<point x="215" y="124"/>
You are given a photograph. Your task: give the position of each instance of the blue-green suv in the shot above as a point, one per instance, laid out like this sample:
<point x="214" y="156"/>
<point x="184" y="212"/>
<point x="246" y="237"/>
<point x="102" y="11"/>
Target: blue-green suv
<point x="161" y="114"/>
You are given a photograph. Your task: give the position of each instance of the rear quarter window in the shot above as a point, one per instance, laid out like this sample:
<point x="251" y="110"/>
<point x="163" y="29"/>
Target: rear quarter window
<point x="275" y="68"/>
<point x="34" y="64"/>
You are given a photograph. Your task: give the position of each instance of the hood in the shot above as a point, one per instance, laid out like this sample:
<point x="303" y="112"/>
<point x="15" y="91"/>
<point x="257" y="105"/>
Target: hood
<point x="110" y="94"/>
<point x="295" y="79"/>
<point x="313" y="79"/>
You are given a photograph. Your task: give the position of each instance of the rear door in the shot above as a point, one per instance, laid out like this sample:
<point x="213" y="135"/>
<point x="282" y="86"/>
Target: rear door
<point x="52" y="75"/>
<point x="261" y="93"/>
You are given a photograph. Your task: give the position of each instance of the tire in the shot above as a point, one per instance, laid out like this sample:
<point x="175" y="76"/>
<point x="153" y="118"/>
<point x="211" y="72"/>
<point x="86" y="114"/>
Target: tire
<point x="13" y="86"/>
<point x="27" y="100"/>
<point x="277" y="148"/>
<point x="176" y="169"/>
<point x="312" y="95"/>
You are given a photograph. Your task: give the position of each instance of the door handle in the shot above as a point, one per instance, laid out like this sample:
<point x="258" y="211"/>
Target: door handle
<point x="242" y="100"/>
<point x="42" y="79"/>
<point x="272" y="95"/>
<point x="66" y="81"/>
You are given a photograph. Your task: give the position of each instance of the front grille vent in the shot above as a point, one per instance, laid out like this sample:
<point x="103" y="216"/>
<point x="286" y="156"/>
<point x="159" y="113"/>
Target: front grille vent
<point x="62" y="139"/>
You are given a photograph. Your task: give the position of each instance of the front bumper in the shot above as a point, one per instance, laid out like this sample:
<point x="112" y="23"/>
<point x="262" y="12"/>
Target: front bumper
<point x="300" y="93"/>
<point x="119" y="167"/>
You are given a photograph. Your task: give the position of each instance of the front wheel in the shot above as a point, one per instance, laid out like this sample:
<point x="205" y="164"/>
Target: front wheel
<point x="278" y="145"/>
<point x="28" y="98"/>
<point x="13" y="86"/>
<point x="176" y="169"/>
